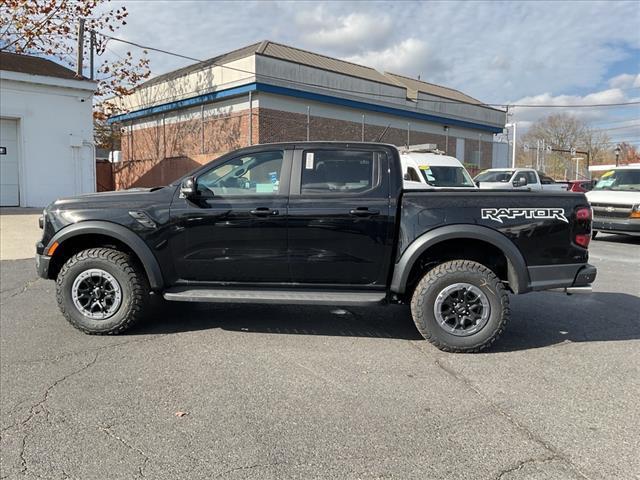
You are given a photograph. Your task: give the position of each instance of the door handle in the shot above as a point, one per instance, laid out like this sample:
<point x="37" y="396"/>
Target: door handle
<point x="264" y="212"/>
<point x="364" y="212"/>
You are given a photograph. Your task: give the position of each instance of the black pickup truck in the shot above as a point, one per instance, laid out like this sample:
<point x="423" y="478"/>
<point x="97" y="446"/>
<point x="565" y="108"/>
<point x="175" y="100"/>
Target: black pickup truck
<point x="318" y="223"/>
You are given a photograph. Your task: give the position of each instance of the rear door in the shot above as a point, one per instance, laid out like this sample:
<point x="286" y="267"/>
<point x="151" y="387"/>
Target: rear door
<point x="339" y="226"/>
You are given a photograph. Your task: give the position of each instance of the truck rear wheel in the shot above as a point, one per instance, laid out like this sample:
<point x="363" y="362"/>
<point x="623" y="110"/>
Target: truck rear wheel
<point x="460" y="306"/>
<point x="102" y="291"/>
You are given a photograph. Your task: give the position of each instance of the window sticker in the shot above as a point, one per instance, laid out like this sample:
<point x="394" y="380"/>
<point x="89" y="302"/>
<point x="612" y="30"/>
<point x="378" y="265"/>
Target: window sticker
<point x="608" y="174"/>
<point x="309" y="161"/>
<point x="425" y="167"/>
<point x="264" y="188"/>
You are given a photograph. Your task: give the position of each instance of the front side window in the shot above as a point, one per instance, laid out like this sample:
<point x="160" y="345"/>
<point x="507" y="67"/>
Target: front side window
<point x="339" y="171"/>
<point x="255" y="174"/>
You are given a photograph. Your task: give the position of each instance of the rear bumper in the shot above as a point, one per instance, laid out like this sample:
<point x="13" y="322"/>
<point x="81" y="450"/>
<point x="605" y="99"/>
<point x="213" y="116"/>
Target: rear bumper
<point x="615" y="225"/>
<point x="574" y="275"/>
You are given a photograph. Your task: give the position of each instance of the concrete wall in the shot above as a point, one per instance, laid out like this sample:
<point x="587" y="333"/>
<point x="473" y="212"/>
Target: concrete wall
<point x="54" y="126"/>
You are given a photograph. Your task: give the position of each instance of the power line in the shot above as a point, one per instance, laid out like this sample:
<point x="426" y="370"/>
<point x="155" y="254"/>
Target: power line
<point x="503" y="105"/>
<point x="624" y="127"/>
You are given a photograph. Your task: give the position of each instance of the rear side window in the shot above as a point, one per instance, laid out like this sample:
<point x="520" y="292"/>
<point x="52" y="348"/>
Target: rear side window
<point x="339" y="171"/>
<point x="545" y="180"/>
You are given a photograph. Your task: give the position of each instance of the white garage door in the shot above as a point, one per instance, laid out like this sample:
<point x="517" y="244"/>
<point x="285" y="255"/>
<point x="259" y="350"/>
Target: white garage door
<point x="9" y="196"/>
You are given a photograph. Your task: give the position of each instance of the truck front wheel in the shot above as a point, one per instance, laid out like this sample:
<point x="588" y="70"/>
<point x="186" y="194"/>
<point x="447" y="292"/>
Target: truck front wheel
<point x="102" y="291"/>
<point x="460" y="306"/>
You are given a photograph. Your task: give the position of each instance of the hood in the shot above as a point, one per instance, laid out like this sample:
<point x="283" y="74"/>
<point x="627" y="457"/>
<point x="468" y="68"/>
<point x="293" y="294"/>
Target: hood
<point x="133" y="195"/>
<point x="613" y="197"/>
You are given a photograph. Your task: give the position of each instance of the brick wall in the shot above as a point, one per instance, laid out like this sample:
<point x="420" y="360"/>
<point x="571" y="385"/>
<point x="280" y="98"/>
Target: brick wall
<point x="158" y="154"/>
<point x="161" y="153"/>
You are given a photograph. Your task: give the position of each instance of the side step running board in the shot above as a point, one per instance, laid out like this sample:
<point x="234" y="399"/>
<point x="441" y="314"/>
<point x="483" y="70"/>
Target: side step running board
<point x="289" y="297"/>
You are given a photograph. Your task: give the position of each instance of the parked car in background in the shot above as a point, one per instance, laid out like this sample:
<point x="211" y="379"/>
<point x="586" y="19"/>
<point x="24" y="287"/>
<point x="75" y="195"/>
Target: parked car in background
<point x="423" y="166"/>
<point x="519" y="178"/>
<point x="615" y="201"/>
<point x="581" y="185"/>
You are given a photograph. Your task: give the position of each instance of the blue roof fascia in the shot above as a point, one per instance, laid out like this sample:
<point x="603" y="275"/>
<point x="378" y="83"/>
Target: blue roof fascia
<point x="291" y="92"/>
<point x="185" y="103"/>
<point x="318" y="97"/>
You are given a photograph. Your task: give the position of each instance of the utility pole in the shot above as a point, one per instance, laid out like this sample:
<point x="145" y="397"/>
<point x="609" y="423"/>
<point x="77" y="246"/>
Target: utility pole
<point x="513" y="146"/>
<point x="92" y="47"/>
<point x="80" y="47"/>
<point x="446" y="138"/>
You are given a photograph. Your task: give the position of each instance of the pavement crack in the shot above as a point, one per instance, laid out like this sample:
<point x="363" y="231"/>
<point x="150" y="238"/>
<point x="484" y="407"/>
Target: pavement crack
<point x="88" y="350"/>
<point x="439" y="362"/>
<point x="520" y="465"/>
<point x="39" y="406"/>
<point x="246" y="467"/>
<point x="18" y="290"/>
<point x="145" y="458"/>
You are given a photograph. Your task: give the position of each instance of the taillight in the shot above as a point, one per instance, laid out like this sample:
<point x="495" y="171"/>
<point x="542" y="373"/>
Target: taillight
<point x="583" y="213"/>
<point x="583" y="239"/>
<point x="583" y="217"/>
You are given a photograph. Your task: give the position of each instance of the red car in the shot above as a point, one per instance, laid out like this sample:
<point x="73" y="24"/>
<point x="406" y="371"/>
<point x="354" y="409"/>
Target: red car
<point x="580" y="185"/>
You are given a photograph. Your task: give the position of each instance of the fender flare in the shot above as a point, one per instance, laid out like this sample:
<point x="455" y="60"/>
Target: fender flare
<point x="120" y="233"/>
<point x="518" y="274"/>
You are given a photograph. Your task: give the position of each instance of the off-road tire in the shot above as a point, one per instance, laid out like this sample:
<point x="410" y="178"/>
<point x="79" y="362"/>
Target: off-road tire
<point x="449" y="273"/>
<point x="132" y="281"/>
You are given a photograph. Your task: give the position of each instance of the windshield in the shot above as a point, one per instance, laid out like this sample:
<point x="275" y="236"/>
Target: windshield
<point x="446" y="176"/>
<point x="619" y="180"/>
<point x="495" y="176"/>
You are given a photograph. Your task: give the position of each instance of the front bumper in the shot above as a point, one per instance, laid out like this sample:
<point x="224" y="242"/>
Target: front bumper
<point x="42" y="265"/>
<point x="574" y="275"/>
<point x="629" y="226"/>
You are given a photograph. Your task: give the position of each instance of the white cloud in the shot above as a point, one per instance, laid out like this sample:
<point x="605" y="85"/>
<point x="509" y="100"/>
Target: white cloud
<point x="525" y="116"/>
<point x="402" y="58"/>
<point x="348" y="33"/>
<point x="492" y="51"/>
<point x="625" y="80"/>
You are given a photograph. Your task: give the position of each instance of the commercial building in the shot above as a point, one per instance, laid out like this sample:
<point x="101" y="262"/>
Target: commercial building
<point x="268" y="92"/>
<point x="46" y="132"/>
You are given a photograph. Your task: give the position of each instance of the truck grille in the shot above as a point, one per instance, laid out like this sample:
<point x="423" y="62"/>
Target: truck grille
<point x="603" y="210"/>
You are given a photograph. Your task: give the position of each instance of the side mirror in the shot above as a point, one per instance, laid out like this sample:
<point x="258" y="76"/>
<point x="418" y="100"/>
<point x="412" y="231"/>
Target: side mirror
<point x="188" y="187"/>
<point x="519" y="182"/>
<point x="406" y="176"/>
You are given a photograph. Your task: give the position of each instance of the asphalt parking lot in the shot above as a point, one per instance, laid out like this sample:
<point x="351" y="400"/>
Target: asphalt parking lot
<point x="313" y="392"/>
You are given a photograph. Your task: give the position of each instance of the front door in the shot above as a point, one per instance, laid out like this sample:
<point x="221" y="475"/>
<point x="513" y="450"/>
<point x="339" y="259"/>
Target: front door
<point x="339" y="231"/>
<point x="235" y="229"/>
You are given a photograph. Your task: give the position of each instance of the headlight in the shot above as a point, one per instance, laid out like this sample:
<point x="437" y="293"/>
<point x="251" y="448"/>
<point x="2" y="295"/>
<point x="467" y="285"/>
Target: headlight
<point x="635" y="211"/>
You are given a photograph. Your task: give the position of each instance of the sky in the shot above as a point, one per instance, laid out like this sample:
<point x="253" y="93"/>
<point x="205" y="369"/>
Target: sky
<point x="533" y="52"/>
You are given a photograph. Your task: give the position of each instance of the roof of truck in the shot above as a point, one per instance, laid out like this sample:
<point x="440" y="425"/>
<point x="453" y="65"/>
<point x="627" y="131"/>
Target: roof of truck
<point x="431" y="159"/>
